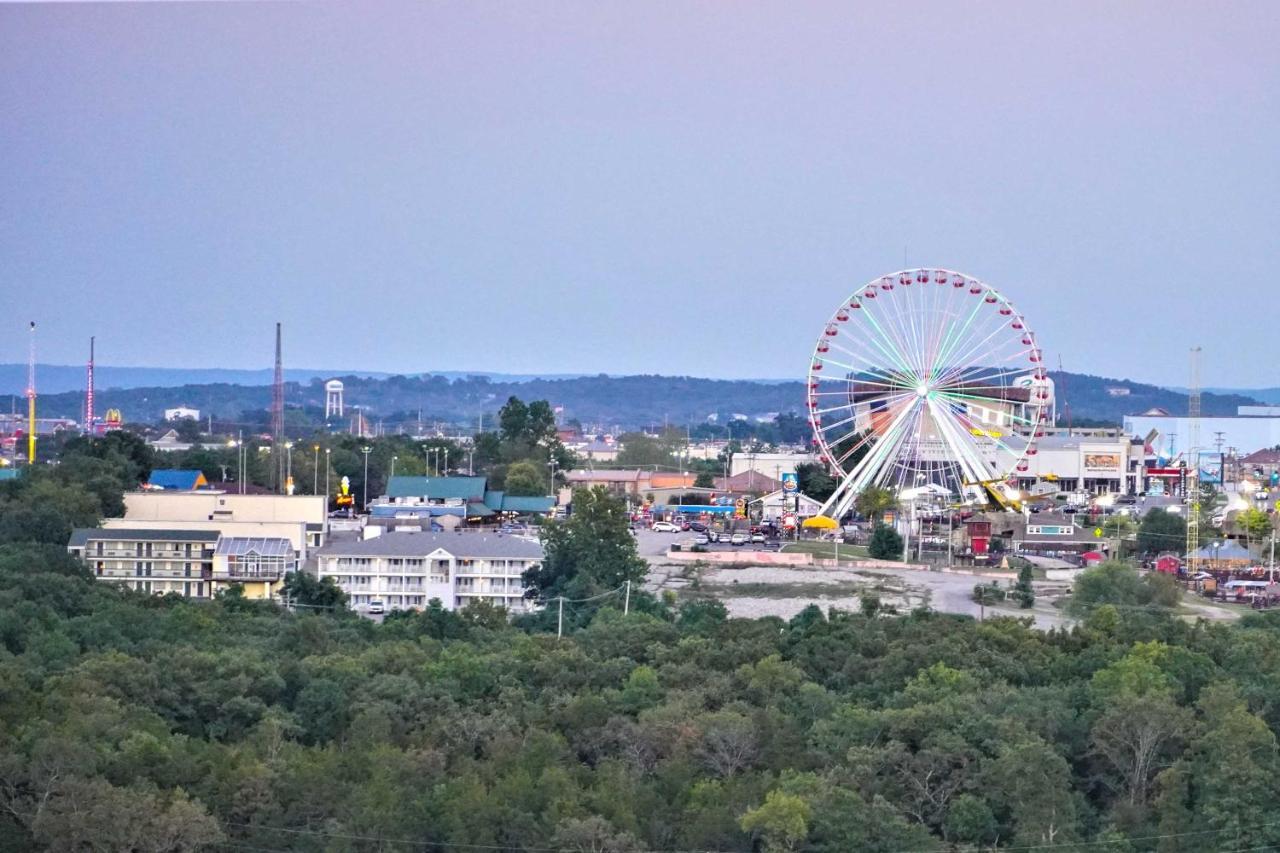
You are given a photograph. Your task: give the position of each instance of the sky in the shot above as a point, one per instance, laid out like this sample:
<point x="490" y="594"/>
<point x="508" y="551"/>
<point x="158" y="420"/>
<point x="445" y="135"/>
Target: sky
<point x="678" y="188"/>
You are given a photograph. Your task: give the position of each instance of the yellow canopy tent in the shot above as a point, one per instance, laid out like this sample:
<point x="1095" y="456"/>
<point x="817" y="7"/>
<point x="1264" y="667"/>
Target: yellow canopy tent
<point x="820" y="522"/>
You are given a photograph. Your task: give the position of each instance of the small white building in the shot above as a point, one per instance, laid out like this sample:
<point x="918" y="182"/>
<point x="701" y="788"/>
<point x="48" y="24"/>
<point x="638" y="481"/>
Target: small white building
<point x="182" y="412"/>
<point x="773" y="505"/>
<point x="770" y="464"/>
<point x="405" y="570"/>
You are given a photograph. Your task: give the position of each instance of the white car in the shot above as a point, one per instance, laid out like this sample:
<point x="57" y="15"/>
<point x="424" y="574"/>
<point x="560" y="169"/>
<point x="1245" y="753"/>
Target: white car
<point x="664" y="527"/>
<point x="739" y="539"/>
<point x="376" y="607"/>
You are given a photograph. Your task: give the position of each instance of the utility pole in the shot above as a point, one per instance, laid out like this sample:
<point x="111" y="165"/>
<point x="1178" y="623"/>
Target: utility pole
<point x="366" y="450"/>
<point x="560" y="620"/>
<point x="31" y="398"/>
<point x="626" y="600"/>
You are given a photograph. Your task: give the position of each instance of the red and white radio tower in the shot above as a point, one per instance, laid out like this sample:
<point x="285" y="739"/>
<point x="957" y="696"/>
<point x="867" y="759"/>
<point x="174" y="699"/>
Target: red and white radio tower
<point x="88" y="394"/>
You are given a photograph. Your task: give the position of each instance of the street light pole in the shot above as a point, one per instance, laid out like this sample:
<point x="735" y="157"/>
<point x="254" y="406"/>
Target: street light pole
<point x="315" y="470"/>
<point x="393" y="465"/>
<point x="288" y="477"/>
<point x="366" y="450"/>
<point x="327" y="451"/>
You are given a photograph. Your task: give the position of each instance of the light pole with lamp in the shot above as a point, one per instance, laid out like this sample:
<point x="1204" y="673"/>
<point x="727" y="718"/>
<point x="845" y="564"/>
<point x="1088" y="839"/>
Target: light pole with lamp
<point x="288" y="468"/>
<point x="231" y="442"/>
<point x="315" y="470"/>
<point x="327" y="451"/>
<point x="366" y="450"/>
<point x="446" y="462"/>
<point x="393" y="465"/>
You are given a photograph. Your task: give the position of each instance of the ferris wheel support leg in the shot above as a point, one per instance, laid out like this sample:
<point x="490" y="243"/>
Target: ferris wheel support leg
<point x="841" y="500"/>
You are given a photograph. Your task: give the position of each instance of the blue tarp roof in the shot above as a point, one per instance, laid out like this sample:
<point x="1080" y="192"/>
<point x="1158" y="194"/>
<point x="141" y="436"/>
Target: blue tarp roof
<point x="179" y="479"/>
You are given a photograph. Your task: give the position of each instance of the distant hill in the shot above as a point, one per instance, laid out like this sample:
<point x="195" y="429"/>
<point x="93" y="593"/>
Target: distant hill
<point x="621" y="401"/>
<point x="57" y="378"/>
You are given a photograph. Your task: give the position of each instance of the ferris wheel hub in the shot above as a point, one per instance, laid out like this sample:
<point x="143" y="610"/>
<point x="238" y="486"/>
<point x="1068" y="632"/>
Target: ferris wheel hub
<point x="922" y="389"/>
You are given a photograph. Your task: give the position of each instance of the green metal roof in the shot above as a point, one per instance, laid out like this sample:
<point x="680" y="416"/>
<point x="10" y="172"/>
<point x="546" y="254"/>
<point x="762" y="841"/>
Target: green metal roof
<point x="478" y="510"/>
<point x="512" y="503"/>
<point x="437" y="488"/>
<point x="493" y="499"/>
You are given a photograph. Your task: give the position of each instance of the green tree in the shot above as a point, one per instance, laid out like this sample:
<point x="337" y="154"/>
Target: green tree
<point x="524" y="478"/>
<point x="782" y="821"/>
<point x="705" y="480"/>
<point x="814" y="481"/>
<point x="644" y="451"/>
<point x="1255" y="523"/>
<point x="1160" y="531"/>
<point x="590" y="552"/>
<point x="1023" y="590"/>
<point x="303" y="589"/>
<point x="1118" y="584"/>
<point x="874" y="501"/>
<point x="885" y="543"/>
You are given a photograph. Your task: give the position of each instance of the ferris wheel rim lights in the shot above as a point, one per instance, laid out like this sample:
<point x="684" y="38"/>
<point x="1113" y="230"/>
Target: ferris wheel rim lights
<point x="907" y="346"/>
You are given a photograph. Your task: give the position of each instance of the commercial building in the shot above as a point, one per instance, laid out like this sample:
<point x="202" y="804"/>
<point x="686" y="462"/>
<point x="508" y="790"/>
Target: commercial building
<point x="156" y="561"/>
<point x="183" y="561"/>
<point x="181" y="412"/>
<point x="769" y="464"/>
<point x="1094" y="464"/>
<point x="298" y="518"/>
<point x="406" y="570"/>
<point x="459" y="498"/>
<point x="1253" y="428"/>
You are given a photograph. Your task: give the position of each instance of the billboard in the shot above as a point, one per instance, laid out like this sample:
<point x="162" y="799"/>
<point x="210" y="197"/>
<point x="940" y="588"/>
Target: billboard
<point x="790" y="482"/>
<point x="1101" y="463"/>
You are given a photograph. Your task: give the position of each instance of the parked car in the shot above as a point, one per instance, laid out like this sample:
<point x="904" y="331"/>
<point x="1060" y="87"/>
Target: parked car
<point x="697" y="526"/>
<point x="739" y="539"/>
<point x="757" y="537"/>
<point x="665" y="527"/>
<point x="700" y="539"/>
<point x="376" y="607"/>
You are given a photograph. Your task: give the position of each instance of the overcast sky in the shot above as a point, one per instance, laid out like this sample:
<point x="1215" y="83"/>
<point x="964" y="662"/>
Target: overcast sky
<point x="633" y="187"/>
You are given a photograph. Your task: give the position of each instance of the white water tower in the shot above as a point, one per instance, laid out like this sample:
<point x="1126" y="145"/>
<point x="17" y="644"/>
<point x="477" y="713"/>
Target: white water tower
<point x="333" y="399"/>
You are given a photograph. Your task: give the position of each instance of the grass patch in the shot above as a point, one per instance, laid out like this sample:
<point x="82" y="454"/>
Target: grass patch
<point x="826" y="550"/>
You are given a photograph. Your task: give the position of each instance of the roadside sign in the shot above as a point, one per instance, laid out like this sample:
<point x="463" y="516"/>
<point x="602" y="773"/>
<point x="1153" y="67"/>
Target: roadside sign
<point x="790" y="482"/>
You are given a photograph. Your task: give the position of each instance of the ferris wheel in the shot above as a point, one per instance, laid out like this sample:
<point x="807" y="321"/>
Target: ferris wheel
<point x="926" y="379"/>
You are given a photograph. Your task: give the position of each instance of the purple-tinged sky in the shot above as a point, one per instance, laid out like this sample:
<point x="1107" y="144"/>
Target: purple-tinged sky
<point x="633" y="187"/>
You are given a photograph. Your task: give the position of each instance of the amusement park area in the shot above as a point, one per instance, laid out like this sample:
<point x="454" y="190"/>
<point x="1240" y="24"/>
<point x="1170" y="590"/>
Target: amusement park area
<point x="938" y="424"/>
<point x="931" y="443"/>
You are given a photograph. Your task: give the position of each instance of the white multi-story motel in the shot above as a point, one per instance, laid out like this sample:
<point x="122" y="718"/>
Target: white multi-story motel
<point x="405" y="570"/>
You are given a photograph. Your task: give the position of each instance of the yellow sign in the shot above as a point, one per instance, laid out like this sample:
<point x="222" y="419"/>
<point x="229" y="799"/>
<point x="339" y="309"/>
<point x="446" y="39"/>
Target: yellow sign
<point x="989" y="433"/>
<point x="1097" y="531"/>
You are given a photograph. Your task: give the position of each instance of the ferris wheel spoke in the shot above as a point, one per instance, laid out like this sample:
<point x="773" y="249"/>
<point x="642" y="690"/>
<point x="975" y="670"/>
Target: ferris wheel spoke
<point x="870" y="366"/>
<point x="954" y="335"/>
<point x="975" y="350"/>
<point x="892" y="348"/>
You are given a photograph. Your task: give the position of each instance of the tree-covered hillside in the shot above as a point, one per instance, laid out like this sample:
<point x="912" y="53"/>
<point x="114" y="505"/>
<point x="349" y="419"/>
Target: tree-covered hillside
<point x="623" y="401"/>
<point x="136" y="723"/>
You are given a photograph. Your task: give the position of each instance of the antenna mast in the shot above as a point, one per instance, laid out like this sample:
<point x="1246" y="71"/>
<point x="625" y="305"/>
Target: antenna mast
<point x="277" y="413"/>
<point x="1193" y="476"/>
<point x="31" y="398"/>
<point x="88" y="394"/>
